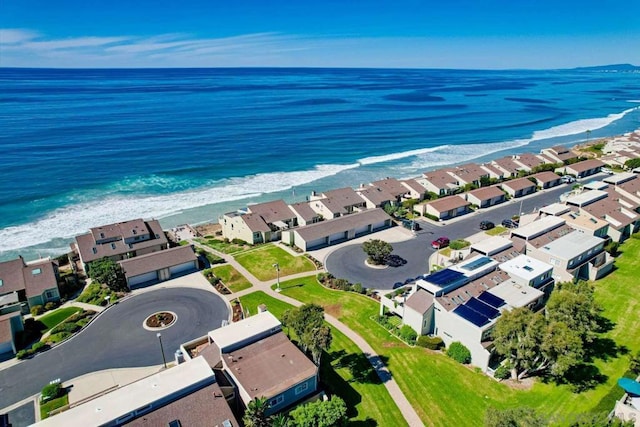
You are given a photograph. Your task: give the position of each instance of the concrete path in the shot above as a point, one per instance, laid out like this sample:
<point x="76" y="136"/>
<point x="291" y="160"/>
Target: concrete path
<point x="410" y="415"/>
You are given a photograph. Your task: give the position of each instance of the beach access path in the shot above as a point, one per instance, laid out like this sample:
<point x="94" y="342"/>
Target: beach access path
<point x="410" y="415"/>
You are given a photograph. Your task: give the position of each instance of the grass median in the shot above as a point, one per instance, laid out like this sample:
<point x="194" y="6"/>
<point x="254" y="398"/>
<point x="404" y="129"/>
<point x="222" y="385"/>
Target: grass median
<point x="260" y="262"/>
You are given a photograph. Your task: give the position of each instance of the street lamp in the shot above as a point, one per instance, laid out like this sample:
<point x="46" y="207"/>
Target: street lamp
<point x="277" y="266"/>
<point x="107" y="298"/>
<point x="159" y="335"/>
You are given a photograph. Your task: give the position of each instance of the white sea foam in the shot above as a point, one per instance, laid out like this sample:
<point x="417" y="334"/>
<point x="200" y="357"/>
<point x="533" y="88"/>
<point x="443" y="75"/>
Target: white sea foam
<point x="397" y="156"/>
<point x="579" y="126"/>
<point x="78" y="218"/>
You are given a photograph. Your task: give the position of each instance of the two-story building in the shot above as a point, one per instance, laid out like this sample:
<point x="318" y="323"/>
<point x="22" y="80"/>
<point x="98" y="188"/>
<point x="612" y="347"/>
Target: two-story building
<point x="336" y="203"/>
<point x="559" y="154"/>
<point x="581" y="169"/>
<point x="485" y="197"/>
<point x="444" y="208"/>
<point x="259" y="223"/>
<point x="440" y="182"/>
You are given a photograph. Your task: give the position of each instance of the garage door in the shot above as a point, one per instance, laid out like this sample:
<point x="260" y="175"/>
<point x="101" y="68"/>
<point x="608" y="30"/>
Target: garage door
<point x="316" y="243"/>
<point x="363" y="229"/>
<point x="181" y="268"/>
<point x="379" y="225"/>
<point x="6" y="347"/>
<point x="338" y="236"/>
<point x="136" y="280"/>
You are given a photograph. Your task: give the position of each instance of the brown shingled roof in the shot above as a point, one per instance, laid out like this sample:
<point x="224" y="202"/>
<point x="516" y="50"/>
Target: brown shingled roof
<point x="448" y="203"/>
<point x="392" y="186"/>
<point x="546" y="176"/>
<point x="157" y="260"/>
<point x="420" y="301"/>
<point x="486" y="193"/>
<point x="340" y="224"/>
<point x="585" y="165"/>
<point x="518" y="184"/>
<point x="376" y="195"/>
<point x="270" y="366"/>
<point x="276" y="210"/>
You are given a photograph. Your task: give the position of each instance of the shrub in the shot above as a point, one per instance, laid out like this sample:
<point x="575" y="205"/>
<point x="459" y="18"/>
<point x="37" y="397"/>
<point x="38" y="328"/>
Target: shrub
<point x="357" y="288"/>
<point x="23" y="353"/>
<point x="502" y="373"/>
<point x="238" y="242"/>
<point x="408" y="334"/>
<point x="431" y="217"/>
<point x="50" y="306"/>
<point x="459" y="244"/>
<point x="37" y="310"/>
<point x="458" y="352"/>
<point x="612" y="248"/>
<point x="51" y="391"/>
<point x="66" y="327"/>
<point x="37" y="347"/>
<point x="432" y="343"/>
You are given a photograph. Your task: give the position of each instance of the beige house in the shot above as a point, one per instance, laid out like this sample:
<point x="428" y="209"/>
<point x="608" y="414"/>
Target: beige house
<point x="493" y="171"/>
<point x="485" y="197"/>
<point x="341" y="229"/>
<point x="528" y="161"/>
<point x="581" y="169"/>
<point x="259" y="223"/>
<point x="304" y="214"/>
<point x="414" y="189"/>
<point x="394" y="187"/>
<point x="335" y="203"/>
<point x="559" y="154"/>
<point x="519" y="187"/>
<point x="629" y="189"/>
<point x="119" y="241"/>
<point x="623" y="220"/>
<point x="159" y="266"/>
<point x="508" y="166"/>
<point x="470" y="173"/>
<point x="24" y="285"/>
<point x="439" y="182"/>
<point x="546" y="179"/>
<point x="445" y="208"/>
<point x="376" y="197"/>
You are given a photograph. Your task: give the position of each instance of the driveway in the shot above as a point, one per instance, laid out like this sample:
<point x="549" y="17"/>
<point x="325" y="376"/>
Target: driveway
<point x="117" y="339"/>
<point x="347" y="262"/>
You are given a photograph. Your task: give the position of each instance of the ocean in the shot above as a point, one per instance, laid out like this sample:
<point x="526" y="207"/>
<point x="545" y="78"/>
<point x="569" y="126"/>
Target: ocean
<point x="82" y="148"/>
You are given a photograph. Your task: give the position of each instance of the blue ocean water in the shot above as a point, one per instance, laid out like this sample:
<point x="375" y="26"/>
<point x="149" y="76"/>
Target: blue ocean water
<point x="80" y="148"/>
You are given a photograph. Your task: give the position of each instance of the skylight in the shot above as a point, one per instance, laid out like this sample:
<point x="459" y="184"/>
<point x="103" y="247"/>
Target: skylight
<point x="36" y="271"/>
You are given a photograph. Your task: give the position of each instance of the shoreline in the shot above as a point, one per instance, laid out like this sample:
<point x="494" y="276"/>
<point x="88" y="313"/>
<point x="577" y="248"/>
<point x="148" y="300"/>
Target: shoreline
<point x="170" y="221"/>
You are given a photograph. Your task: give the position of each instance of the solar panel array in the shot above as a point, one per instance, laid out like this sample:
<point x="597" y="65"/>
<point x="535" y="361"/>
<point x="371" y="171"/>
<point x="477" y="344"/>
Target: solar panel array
<point x="444" y="277"/>
<point x="492" y="300"/>
<point x="482" y="308"/>
<point x="477" y="263"/>
<point x="471" y="315"/>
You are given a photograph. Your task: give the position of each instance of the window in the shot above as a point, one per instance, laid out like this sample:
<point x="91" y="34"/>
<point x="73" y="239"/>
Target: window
<point x="36" y="271"/>
<point x="301" y="388"/>
<point x="554" y="261"/>
<point x="50" y="294"/>
<point x="95" y="250"/>
<point x="276" y="401"/>
<point x="113" y="246"/>
<point x="1" y="282"/>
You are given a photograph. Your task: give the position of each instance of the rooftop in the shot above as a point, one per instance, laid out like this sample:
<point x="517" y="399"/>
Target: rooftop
<point x="448" y="203"/>
<point x="538" y="227"/>
<point x="492" y="245"/>
<point x="228" y="336"/>
<point x="515" y="294"/>
<point x="341" y="224"/>
<point x="486" y="193"/>
<point x="376" y="195"/>
<point x="157" y="260"/>
<point x="525" y="267"/>
<point x="586" y="197"/>
<point x="268" y="367"/>
<point x="546" y="176"/>
<point x="419" y="301"/>
<point x="555" y="209"/>
<point x="518" y="184"/>
<point x="619" y="178"/>
<point x="392" y="186"/>
<point x="276" y="210"/>
<point x="584" y="165"/>
<point x="571" y="245"/>
<point x="473" y="289"/>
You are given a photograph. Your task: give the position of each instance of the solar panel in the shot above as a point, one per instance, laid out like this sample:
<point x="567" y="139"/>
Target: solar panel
<point x="491" y="299"/>
<point x="482" y="308"/>
<point x="477" y="263"/>
<point x="444" y="277"/>
<point x="470" y="315"/>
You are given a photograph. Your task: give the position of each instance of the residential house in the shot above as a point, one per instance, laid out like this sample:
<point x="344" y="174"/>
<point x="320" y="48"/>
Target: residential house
<point x="469" y="174"/>
<point x="585" y="198"/>
<point x="528" y="161"/>
<point x="440" y="182"/>
<point x="498" y="248"/>
<point x="595" y="185"/>
<point x="493" y="171"/>
<point x="341" y="229"/>
<point x="376" y="197"/>
<point x="120" y="241"/>
<point x="528" y="271"/>
<point x="623" y="220"/>
<point x="572" y="253"/>
<point x="629" y="190"/>
<point x="304" y="214"/>
<point x="185" y="395"/>
<point x="578" y="219"/>
<point x="259" y="223"/>
<point x="260" y="361"/>
<point x="485" y="197"/>
<point x="394" y="187"/>
<point x="546" y="179"/>
<point x="508" y="166"/>
<point x="620" y="178"/>
<point x="581" y="169"/>
<point x="159" y="266"/>
<point x="27" y="284"/>
<point x="335" y="203"/>
<point x="445" y="208"/>
<point x="518" y="187"/>
<point x="414" y="189"/>
<point x="559" y="154"/>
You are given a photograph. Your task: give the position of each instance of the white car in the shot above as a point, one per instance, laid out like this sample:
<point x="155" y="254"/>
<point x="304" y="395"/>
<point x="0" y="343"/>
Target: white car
<point x="568" y="179"/>
<point x="607" y="171"/>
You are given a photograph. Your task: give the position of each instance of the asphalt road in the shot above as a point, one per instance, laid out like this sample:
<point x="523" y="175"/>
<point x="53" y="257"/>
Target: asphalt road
<point x="348" y="261"/>
<point x="116" y="339"/>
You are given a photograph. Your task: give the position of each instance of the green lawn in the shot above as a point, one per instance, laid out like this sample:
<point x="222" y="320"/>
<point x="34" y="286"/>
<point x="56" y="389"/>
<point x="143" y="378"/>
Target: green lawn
<point x="231" y="278"/>
<point x="222" y="246"/>
<point x="446" y="393"/>
<point x="45" y="408"/>
<point x="96" y="293"/>
<point x="344" y="371"/>
<point x="497" y="230"/>
<point x="260" y="262"/>
<point x="57" y="316"/>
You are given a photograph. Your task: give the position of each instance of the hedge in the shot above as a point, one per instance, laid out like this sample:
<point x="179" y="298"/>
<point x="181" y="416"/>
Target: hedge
<point x="51" y="391"/>
<point x="432" y="343"/>
<point x="458" y="352"/>
<point x="502" y="373"/>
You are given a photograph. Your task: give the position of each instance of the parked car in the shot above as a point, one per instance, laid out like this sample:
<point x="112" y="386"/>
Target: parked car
<point x="509" y="223"/>
<point x="440" y="242"/>
<point x="607" y="171"/>
<point x="568" y="179"/>
<point x="486" y="225"/>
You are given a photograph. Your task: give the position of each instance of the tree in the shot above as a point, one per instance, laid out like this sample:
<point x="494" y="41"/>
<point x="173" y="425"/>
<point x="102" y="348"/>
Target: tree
<point x="562" y="348"/>
<point x="307" y="321"/>
<point x="107" y="272"/>
<point x="632" y="163"/>
<point x="321" y="413"/>
<point x="458" y="352"/>
<point x="319" y="340"/>
<point x="255" y="415"/>
<point x="575" y="305"/>
<point x="515" y="417"/>
<point x="377" y="250"/>
<point x="634" y="364"/>
<point x="280" y="420"/>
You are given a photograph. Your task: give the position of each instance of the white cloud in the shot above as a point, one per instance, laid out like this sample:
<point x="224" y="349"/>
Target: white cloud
<point x="16" y="35"/>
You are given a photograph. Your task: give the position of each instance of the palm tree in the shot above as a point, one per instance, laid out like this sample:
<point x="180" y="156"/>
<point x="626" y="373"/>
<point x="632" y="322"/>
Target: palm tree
<point x="280" y="420"/>
<point x="255" y="415"/>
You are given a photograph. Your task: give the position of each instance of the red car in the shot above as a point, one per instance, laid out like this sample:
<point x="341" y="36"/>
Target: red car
<point x="440" y="242"/>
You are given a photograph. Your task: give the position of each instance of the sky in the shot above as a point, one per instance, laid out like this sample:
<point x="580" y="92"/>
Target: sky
<point x="471" y="34"/>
